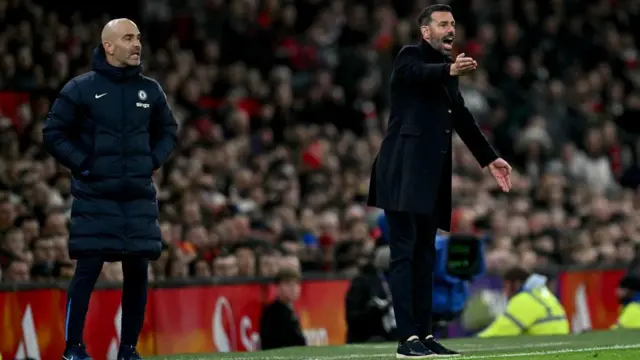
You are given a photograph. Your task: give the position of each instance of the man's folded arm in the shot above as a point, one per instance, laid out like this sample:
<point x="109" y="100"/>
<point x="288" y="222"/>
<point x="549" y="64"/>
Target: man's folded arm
<point x="410" y="69"/>
<point x="63" y="120"/>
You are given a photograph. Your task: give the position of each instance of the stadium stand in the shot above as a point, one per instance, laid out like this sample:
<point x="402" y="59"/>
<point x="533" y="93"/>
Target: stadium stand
<point x="282" y="105"/>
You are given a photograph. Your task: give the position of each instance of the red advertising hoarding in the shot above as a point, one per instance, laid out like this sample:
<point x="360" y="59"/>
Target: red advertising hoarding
<point x="32" y="324"/>
<point x="589" y="297"/>
<point x="199" y="319"/>
<point x="206" y="319"/>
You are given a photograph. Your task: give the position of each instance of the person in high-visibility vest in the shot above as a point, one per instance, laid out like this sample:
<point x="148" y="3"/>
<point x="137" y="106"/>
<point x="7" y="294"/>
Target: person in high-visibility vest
<point x="532" y="309"/>
<point x="628" y="293"/>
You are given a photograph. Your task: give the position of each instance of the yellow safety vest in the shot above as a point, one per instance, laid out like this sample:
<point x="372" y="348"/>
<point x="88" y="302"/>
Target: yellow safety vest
<point x="535" y="312"/>
<point x="629" y="317"/>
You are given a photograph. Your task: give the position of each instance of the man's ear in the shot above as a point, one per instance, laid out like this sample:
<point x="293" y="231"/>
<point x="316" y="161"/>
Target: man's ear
<point x="426" y="32"/>
<point x="108" y="48"/>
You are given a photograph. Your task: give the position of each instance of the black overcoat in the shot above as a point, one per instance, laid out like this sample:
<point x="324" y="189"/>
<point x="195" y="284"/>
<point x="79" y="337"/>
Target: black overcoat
<point x="412" y="171"/>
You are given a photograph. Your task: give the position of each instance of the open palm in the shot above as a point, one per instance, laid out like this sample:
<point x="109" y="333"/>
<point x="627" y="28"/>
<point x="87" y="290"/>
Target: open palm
<point x="501" y="171"/>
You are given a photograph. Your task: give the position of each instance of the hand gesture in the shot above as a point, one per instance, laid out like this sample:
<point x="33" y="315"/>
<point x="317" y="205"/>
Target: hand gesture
<point x="501" y="171"/>
<point x="463" y="65"/>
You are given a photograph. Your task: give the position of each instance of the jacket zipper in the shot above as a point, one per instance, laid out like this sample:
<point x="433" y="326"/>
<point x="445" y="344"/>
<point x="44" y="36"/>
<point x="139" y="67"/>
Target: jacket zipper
<point x="124" y="168"/>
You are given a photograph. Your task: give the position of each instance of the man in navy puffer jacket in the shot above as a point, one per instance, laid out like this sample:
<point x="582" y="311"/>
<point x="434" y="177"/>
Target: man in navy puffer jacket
<point x="112" y="127"/>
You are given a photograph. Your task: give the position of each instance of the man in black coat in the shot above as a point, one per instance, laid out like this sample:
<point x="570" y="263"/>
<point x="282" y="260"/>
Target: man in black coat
<point x="411" y="177"/>
<point x="112" y="127"/>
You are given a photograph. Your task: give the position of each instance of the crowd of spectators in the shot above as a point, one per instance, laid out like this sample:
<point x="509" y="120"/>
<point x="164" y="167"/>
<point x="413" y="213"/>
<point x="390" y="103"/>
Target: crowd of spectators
<point x="282" y="105"/>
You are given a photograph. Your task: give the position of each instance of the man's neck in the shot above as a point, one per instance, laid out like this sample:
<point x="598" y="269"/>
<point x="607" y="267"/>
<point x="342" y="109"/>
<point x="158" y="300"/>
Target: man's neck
<point x="113" y="62"/>
<point x="428" y="42"/>
<point x="284" y="300"/>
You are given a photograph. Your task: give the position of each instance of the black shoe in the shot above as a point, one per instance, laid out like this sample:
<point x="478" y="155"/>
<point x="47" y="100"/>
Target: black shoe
<point x="413" y="349"/>
<point x="76" y="352"/>
<point x="128" y="352"/>
<point x="434" y="346"/>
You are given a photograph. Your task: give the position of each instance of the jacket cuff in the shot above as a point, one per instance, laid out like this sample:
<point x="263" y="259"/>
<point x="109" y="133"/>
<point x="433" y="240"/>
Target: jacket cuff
<point x="155" y="161"/>
<point x="447" y="69"/>
<point x="488" y="158"/>
<point x="80" y="160"/>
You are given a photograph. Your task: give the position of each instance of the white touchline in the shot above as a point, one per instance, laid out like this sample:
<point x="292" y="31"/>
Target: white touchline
<point x="554" y="352"/>
<point x="492" y="356"/>
<point x="471" y="347"/>
<point x="513" y="347"/>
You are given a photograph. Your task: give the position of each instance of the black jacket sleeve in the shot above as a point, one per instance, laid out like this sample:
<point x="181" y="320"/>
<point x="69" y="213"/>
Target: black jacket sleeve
<point x="279" y="328"/>
<point x="469" y="131"/>
<point x="410" y="69"/>
<point x="64" y="118"/>
<point x="163" y="131"/>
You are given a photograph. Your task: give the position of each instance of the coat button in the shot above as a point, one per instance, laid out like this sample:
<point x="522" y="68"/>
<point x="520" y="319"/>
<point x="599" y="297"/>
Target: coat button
<point x="449" y="111"/>
<point x="447" y="131"/>
<point x="444" y="151"/>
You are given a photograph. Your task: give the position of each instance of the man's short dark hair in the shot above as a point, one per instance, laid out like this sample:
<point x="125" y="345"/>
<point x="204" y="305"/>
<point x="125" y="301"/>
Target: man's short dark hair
<point x="517" y="274"/>
<point x="286" y="275"/>
<point x="425" y="16"/>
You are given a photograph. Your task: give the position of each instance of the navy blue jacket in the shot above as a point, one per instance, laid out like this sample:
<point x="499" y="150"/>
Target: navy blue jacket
<point x="112" y="127"/>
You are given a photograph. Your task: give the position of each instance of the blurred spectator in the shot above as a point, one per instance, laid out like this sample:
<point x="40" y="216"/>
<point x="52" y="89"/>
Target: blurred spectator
<point x="532" y="309"/>
<point x="628" y="294"/>
<point x="17" y="271"/>
<point x="245" y="257"/>
<point x="280" y="314"/>
<point x="369" y="315"/>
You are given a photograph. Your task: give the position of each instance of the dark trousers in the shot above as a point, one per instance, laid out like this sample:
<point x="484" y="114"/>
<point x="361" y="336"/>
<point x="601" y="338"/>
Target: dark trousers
<point x="134" y="298"/>
<point x="412" y="245"/>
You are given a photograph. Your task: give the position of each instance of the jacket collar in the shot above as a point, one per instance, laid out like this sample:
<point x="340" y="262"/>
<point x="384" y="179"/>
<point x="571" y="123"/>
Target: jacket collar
<point x="433" y="53"/>
<point x="100" y="65"/>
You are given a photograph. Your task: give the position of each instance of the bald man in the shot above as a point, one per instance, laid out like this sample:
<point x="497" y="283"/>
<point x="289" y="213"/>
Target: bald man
<point x="112" y="128"/>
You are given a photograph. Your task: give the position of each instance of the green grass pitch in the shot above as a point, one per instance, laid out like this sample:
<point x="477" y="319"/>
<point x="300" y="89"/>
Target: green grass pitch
<point x="606" y="345"/>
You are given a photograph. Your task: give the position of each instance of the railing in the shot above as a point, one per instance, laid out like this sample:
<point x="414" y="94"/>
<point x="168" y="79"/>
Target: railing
<point x="169" y="283"/>
<point x="194" y="281"/>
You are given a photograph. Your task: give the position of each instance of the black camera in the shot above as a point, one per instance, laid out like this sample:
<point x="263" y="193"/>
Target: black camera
<point x="465" y="258"/>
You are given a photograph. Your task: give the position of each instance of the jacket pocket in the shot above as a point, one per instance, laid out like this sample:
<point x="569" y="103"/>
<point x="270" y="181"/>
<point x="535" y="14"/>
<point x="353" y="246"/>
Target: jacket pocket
<point x="410" y="130"/>
<point x="87" y="171"/>
<point x="89" y="165"/>
<point x="149" y="166"/>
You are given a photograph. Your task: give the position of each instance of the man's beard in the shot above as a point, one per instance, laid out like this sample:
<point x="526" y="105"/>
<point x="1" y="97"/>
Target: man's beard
<point x="439" y="45"/>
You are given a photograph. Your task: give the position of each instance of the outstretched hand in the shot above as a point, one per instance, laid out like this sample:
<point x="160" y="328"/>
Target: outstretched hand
<point x="463" y="65"/>
<point x="501" y="171"/>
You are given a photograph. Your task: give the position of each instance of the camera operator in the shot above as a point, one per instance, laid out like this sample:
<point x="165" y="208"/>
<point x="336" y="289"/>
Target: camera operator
<point x="369" y="313"/>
